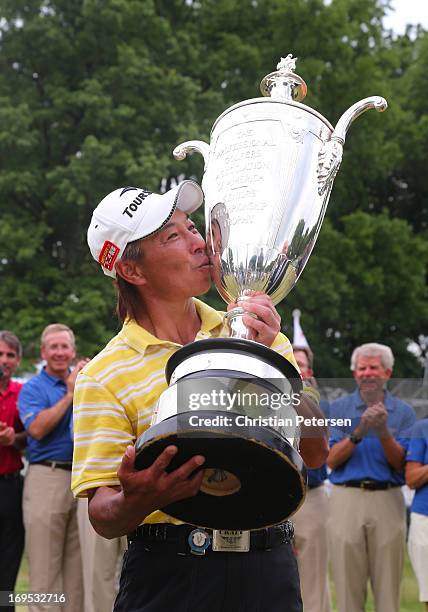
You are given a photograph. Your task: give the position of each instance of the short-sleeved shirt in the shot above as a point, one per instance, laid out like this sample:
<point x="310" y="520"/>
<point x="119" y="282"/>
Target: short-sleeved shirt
<point x="418" y="451"/>
<point x="116" y="393"/>
<point x="41" y="392"/>
<point x="10" y="457"/>
<point x="316" y="476"/>
<point x="368" y="460"/>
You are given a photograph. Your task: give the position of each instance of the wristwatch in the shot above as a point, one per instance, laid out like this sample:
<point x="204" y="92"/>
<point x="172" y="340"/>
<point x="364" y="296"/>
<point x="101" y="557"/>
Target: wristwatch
<point x="355" y="439"/>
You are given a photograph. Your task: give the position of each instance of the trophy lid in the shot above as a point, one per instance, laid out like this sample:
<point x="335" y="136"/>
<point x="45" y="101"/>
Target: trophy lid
<point x="284" y="84"/>
<point x="282" y="87"/>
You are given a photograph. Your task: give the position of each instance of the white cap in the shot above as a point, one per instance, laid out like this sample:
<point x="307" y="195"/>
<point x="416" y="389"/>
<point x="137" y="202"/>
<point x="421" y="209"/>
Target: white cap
<point x="299" y="338"/>
<point x="131" y="213"/>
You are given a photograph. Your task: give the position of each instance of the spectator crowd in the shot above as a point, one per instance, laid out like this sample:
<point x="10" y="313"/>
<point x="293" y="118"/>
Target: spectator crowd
<point x="64" y="552"/>
<point x="359" y="528"/>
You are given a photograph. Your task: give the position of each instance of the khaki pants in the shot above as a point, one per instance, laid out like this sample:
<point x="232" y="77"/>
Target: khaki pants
<point x="51" y="537"/>
<point x="310" y="524"/>
<point x="367" y="537"/>
<point x="102" y="562"/>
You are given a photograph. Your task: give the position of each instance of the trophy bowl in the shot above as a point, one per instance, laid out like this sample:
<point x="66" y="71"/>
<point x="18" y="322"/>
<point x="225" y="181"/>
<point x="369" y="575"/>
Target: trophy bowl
<point x="245" y="463"/>
<point x="269" y="171"/>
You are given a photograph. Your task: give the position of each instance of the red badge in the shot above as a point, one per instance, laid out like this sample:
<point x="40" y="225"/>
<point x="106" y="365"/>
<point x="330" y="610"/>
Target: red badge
<point x="108" y="255"/>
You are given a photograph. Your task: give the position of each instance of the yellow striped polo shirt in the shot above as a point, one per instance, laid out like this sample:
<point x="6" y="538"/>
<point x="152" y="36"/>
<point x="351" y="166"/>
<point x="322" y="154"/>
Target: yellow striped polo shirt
<point x="116" y="393"/>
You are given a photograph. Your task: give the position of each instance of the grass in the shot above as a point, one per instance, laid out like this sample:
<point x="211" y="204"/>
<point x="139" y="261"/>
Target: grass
<point x="409" y="601"/>
<point x="22" y="582"/>
<point x="409" y="590"/>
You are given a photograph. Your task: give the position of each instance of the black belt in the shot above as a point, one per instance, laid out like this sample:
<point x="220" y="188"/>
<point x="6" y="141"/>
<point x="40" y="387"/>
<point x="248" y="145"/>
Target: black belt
<point x="10" y="475"/>
<point x="261" y="539"/>
<point x="368" y="485"/>
<point x="62" y="465"/>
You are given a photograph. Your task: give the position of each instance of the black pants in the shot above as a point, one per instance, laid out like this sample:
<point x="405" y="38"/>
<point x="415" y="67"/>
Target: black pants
<point x="159" y="579"/>
<point x="11" y="533"/>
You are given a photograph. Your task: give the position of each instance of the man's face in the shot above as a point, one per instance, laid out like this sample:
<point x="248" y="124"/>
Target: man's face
<point x="370" y="374"/>
<point x="303" y="363"/>
<point x="58" y="351"/>
<point x="9" y="360"/>
<point x="174" y="261"/>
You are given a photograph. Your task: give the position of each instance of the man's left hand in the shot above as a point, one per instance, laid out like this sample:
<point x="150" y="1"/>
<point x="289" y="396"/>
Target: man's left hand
<point x="379" y="417"/>
<point x="268" y="322"/>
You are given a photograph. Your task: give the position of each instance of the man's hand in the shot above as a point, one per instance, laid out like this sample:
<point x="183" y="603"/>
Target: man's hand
<point x="379" y="417"/>
<point x="71" y="379"/>
<point x="268" y="322"/>
<point x="364" y="425"/>
<point x="7" y="435"/>
<point x="117" y="511"/>
<point x="154" y="485"/>
<point x="373" y="417"/>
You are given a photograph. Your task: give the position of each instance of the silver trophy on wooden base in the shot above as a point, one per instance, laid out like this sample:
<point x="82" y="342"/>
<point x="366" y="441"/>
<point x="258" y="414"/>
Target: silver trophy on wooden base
<point x="269" y="171"/>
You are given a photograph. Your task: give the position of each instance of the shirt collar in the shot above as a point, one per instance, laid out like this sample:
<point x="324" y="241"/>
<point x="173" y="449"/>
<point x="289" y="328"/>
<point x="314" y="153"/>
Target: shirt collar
<point x="358" y="402"/>
<point x="12" y="387"/>
<point x="140" y="339"/>
<point x="54" y="380"/>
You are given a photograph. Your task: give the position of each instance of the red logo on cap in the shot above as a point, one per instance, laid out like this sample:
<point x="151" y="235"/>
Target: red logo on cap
<point x="108" y="255"/>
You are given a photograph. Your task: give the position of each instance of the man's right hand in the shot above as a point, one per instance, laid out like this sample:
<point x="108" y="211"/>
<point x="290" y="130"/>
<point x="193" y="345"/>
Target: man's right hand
<point x="117" y="511"/>
<point x="154" y="483"/>
<point x="373" y="417"/>
<point x="155" y="488"/>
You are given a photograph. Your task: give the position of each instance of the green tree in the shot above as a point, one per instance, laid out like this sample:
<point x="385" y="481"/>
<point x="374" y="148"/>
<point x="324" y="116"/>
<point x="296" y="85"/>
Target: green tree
<point x="95" y="94"/>
<point x="365" y="283"/>
<point x="92" y="98"/>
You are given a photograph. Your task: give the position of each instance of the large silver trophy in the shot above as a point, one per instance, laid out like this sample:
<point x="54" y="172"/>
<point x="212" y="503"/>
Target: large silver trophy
<point x="269" y="171"/>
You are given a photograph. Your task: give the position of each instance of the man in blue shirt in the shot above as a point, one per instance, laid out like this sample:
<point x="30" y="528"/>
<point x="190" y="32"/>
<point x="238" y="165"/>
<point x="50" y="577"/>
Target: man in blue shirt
<point x="50" y="519"/>
<point x="310" y="522"/>
<point x="417" y="478"/>
<point x="366" y="512"/>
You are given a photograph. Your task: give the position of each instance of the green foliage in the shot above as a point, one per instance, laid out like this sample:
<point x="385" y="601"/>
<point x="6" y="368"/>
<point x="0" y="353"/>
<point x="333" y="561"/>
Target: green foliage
<point x="365" y="282"/>
<point x="95" y="94"/>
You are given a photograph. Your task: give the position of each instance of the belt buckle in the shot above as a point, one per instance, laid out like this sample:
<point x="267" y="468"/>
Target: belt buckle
<point x="366" y="484"/>
<point x="231" y="540"/>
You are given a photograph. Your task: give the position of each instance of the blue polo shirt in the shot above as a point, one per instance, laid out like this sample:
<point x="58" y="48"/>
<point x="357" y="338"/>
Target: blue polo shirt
<point x="43" y="391"/>
<point x="418" y="451"/>
<point x="368" y="461"/>
<point x="316" y="476"/>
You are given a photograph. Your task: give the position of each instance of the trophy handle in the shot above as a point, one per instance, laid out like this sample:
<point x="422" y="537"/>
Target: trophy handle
<point x="357" y="109"/>
<point x="330" y="155"/>
<point x="190" y="146"/>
